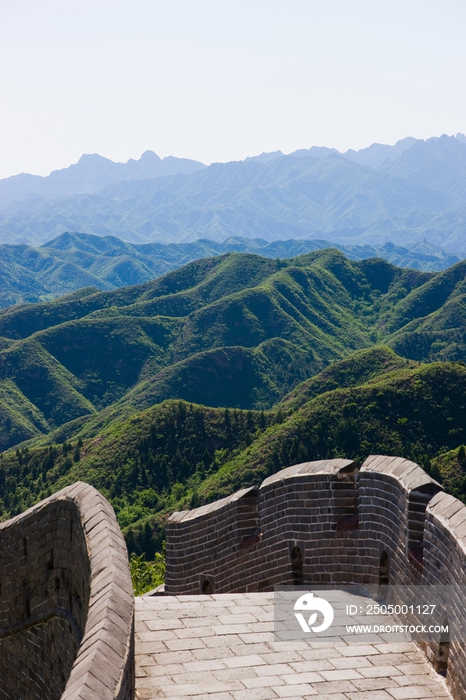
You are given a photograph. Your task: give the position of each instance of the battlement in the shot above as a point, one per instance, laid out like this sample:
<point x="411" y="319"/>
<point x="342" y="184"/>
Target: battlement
<point x="66" y="601"/>
<point x="327" y="522"/>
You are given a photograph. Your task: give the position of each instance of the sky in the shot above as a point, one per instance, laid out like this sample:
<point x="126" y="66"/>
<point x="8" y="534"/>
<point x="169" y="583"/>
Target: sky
<point x="222" y="80"/>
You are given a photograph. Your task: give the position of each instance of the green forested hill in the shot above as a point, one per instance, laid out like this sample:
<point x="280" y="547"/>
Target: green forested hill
<point x="237" y="330"/>
<point x="277" y="321"/>
<point x="360" y="367"/>
<point x="412" y="412"/>
<point x="294" y="358"/>
<point x="176" y="454"/>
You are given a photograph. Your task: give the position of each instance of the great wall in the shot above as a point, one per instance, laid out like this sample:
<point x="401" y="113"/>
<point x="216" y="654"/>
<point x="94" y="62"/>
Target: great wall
<point x="66" y="601"/>
<point x="67" y="609"/>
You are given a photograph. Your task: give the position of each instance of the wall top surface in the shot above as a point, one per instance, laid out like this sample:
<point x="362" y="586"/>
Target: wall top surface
<point x="323" y="466"/>
<point x="184" y="515"/>
<point x="408" y="474"/>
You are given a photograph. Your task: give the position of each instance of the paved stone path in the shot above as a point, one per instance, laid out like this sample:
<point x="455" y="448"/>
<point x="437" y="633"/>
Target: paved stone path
<point x="221" y="647"/>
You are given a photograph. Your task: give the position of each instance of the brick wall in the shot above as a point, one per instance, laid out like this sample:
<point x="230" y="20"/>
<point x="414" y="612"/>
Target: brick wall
<point x="66" y="603"/>
<point x="341" y="519"/>
<point x="445" y="564"/>
<point x="393" y="497"/>
<point x="329" y="522"/>
<point x="286" y="531"/>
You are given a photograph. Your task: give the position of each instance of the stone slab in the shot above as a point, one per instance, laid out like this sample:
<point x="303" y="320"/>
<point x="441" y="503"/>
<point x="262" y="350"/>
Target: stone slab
<point x="252" y="666"/>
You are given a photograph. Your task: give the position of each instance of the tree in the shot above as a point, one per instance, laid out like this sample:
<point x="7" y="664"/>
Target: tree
<point x="436" y="474"/>
<point x="427" y="465"/>
<point x="146" y="575"/>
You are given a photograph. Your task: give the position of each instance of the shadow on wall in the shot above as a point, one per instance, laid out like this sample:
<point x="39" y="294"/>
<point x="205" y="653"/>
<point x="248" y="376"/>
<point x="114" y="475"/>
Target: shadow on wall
<point x="384" y="569"/>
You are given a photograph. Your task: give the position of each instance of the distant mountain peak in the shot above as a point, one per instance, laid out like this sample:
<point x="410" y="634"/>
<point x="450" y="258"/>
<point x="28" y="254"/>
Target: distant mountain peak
<point x="86" y="158"/>
<point x="150" y="157"/>
<point x="92" y="173"/>
<point x="265" y="157"/>
<point x="401" y="192"/>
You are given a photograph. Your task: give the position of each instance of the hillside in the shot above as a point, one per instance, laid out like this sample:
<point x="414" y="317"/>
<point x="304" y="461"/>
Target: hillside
<point x="180" y="389"/>
<point x="406" y="194"/>
<point x="83" y="352"/>
<point x="237" y="330"/>
<point x="414" y="413"/>
<point x="76" y="260"/>
<point x="177" y="454"/>
<point x="359" y="368"/>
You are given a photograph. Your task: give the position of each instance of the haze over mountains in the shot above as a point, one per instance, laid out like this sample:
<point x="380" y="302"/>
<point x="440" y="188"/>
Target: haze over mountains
<point x="75" y="260"/>
<point x="406" y="193"/>
<point x="90" y="174"/>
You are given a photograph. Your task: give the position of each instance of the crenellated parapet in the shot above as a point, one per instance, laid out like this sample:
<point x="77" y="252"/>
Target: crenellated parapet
<point x="317" y="522"/>
<point x="289" y="529"/>
<point x="66" y="602"/>
<point x="329" y="522"/>
<point x="394" y="494"/>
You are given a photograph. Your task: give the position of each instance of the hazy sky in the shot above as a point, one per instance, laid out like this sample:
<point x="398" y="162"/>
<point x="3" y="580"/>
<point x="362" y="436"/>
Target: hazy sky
<point x="221" y="80"/>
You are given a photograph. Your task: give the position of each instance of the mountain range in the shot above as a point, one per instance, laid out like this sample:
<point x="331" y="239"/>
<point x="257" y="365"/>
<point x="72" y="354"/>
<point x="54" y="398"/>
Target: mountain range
<point x="237" y="330"/>
<point x="171" y="393"/>
<point x="91" y="174"/>
<point x="411" y="192"/>
<point x="75" y="260"/>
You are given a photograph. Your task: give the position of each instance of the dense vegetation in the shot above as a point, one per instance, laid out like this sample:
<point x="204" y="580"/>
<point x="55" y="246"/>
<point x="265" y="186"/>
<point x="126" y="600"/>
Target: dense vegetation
<point x="237" y="330"/>
<point x="172" y="393"/>
<point x="146" y="575"/>
<point x="177" y="455"/>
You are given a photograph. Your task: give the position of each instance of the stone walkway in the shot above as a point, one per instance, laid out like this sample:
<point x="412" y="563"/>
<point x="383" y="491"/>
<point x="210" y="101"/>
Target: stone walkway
<point x="221" y="647"/>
